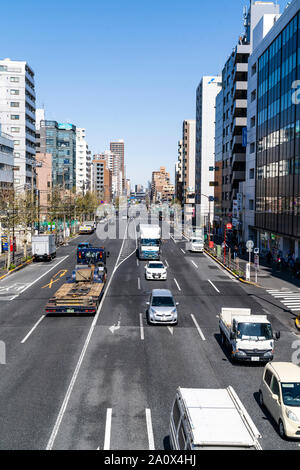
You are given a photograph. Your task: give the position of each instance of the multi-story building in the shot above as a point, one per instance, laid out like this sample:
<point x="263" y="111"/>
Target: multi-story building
<point x="44" y="182"/>
<point x="178" y="173"/>
<point x="59" y="139"/>
<point x="118" y="148"/>
<point x="160" y="179"/>
<point x="17" y="116"/>
<point x="102" y="179"/>
<point x="207" y="91"/>
<point x="128" y="187"/>
<point x="83" y="162"/>
<point x="6" y="162"/>
<point x="188" y="161"/>
<point x="235" y="85"/>
<point x="218" y="160"/>
<point x="274" y="154"/>
<point x="114" y="164"/>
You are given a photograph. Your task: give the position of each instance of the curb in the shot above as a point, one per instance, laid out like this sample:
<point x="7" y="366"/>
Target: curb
<point x="18" y="268"/>
<point x="231" y="272"/>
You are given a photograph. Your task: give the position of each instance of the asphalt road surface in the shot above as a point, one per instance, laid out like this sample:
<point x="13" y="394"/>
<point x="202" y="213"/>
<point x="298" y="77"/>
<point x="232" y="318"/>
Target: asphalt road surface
<point x="108" y="382"/>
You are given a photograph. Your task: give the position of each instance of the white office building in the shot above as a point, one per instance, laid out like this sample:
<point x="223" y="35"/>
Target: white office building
<point x="17" y="116"/>
<point x="6" y="161"/>
<point x="83" y="162"/>
<point x="207" y="92"/>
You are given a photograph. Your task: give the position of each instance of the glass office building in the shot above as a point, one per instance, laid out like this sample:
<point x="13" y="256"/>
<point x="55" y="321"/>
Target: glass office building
<point x="278" y="136"/>
<point x="59" y="139"/>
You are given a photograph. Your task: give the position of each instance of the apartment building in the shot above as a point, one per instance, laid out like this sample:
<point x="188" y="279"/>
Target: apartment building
<point x="179" y="173"/>
<point x="188" y="161"/>
<point x="235" y="86"/>
<point x="218" y="160"/>
<point x="101" y="179"/>
<point x="160" y="182"/>
<point x="17" y="116"/>
<point x="83" y="162"/>
<point x="114" y="164"/>
<point x="44" y="183"/>
<point x="207" y="92"/>
<point x="118" y="148"/>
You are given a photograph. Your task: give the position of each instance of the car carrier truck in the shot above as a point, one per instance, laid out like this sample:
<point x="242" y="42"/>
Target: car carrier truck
<point x="81" y="294"/>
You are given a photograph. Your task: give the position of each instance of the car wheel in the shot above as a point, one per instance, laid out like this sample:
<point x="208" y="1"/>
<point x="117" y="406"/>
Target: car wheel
<point x="261" y="399"/>
<point x="281" y="430"/>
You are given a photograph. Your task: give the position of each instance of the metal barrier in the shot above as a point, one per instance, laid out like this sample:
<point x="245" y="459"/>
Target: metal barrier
<point x="235" y="266"/>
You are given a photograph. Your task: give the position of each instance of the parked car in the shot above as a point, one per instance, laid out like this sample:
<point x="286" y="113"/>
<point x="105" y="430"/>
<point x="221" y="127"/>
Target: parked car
<point x="162" y="308"/>
<point x="280" y="393"/>
<point x="156" y="270"/>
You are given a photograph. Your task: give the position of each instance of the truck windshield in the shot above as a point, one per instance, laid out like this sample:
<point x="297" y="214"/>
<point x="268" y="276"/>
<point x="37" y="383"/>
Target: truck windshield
<point x="259" y="330"/>
<point x="291" y="394"/>
<point x="197" y="240"/>
<point x="163" y="302"/>
<point x="150" y="242"/>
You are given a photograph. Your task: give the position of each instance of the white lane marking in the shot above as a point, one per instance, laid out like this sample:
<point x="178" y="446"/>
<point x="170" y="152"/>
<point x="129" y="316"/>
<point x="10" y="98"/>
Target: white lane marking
<point x="32" y="329"/>
<point x="182" y="251"/>
<point x="107" y="429"/>
<point x="137" y="262"/>
<point x="139" y="283"/>
<point x="142" y="327"/>
<point x="193" y="262"/>
<point x="166" y="261"/>
<point x="171" y="330"/>
<point x="150" y="429"/>
<point x="178" y="286"/>
<point x="82" y="355"/>
<point x="214" y="286"/>
<point x="36" y="280"/>
<point x="198" y="327"/>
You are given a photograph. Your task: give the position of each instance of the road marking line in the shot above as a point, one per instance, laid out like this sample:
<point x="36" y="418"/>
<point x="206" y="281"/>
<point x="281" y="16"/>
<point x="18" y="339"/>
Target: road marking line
<point x="150" y="429"/>
<point x="193" y="262"/>
<point x="51" y="269"/>
<point x="139" y="283"/>
<point x="107" y="429"/>
<point x="166" y="261"/>
<point x="137" y="262"/>
<point x="80" y="360"/>
<point x="171" y="330"/>
<point x="214" y="286"/>
<point x="182" y="251"/>
<point x="198" y="327"/>
<point x="178" y="286"/>
<point x="142" y="327"/>
<point x="32" y="329"/>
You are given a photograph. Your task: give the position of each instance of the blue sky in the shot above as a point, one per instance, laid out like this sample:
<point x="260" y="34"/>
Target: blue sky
<point x="123" y="69"/>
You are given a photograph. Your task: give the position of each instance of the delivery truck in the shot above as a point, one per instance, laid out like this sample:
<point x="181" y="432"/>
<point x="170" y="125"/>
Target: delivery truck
<point x="81" y="294"/>
<point x="211" y="419"/>
<point x="248" y="337"/>
<point x="43" y="247"/>
<point x="149" y="242"/>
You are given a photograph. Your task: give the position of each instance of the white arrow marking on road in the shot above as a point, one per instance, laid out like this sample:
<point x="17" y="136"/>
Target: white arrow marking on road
<point x="115" y="327"/>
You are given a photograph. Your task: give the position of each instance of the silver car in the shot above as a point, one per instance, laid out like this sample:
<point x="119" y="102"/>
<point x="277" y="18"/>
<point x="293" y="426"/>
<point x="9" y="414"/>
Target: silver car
<point x="162" y="308"/>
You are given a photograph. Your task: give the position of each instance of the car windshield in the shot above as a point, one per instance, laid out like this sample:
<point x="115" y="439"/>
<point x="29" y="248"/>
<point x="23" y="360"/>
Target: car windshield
<point x="150" y="242"/>
<point x="259" y="330"/>
<point x="197" y="240"/>
<point x="163" y="302"/>
<point x="291" y="393"/>
<point x="155" y="266"/>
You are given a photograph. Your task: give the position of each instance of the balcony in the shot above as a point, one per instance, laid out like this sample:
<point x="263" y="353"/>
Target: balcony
<point x="240" y="122"/>
<point x="238" y="176"/>
<point x="238" y="158"/>
<point x="238" y="88"/>
<point x="238" y="105"/>
<point x="237" y="141"/>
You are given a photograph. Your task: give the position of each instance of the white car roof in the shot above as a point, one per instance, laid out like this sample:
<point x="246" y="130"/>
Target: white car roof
<point x="215" y="419"/>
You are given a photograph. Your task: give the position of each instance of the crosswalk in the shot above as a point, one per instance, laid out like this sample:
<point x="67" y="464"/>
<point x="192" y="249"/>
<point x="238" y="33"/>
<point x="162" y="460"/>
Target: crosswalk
<point x="288" y="298"/>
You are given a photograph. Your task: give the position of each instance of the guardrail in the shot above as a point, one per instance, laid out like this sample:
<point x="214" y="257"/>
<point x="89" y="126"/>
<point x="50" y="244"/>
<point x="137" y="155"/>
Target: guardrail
<point x="18" y="259"/>
<point x="235" y="266"/>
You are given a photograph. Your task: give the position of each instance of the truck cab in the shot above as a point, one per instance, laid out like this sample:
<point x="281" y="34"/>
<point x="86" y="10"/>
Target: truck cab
<point x="149" y="243"/>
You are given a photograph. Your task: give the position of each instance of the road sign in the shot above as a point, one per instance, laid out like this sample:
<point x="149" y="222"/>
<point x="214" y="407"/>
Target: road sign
<point x="256" y="251"/>
<point x="229" y="226"/>
<point x="256" y="261"/>
<point x="250" y="245"/>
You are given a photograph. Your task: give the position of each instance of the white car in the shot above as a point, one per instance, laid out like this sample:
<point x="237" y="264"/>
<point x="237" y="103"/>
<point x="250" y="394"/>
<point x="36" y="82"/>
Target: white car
<point x="156" y="270"/>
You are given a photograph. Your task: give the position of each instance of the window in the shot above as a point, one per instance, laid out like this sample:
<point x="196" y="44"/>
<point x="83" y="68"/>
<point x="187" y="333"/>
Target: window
<point x="15" y="117"/>
<point x="15" y="79"/>
<point x="251" y="174"/>
<point x="275" y="386"/>
<point x="253" y="70"/>
<point x="268" y="377"/>
<point x="14" y="104"/>
<point x="252" y="148"/>
<point x="181" y="438"/>
<point x="16" y="142"/>
<point x="253" y="95"/>
<point x="14" y="92"/>
<point x="15" y="129"/>
<point x="251" y="205"/>
<point x="253" y="121"/>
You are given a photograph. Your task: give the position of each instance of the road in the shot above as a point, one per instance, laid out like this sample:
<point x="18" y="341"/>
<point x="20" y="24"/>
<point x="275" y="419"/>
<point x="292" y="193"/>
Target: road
<point x="108" y="382"/>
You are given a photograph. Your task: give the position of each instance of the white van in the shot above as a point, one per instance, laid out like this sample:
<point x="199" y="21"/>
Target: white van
<point x="211" y="419"/>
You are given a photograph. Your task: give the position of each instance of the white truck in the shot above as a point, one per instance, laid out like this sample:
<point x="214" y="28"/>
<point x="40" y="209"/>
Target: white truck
<point x="43" y="247"/>
<point x="211" y="419"/>
<point x="248" y="337"/>
<point x="149" y="242"/>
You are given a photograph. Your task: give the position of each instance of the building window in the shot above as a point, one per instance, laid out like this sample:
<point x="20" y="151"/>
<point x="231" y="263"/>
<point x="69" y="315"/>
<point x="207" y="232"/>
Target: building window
<point x="15" y="79"/>
<point x="15" y="129"/>
<point x="253" y="96"/>
<point x="14" y="92"/>
<point x="14" y="104"/>
<point x="251" y="174"/>
<point x="15" y="117"/>
<point x="252" y="148"/>
<point x="253" y="121"/>
<point x="253" y="70"/>
<point x="251" y="204"/>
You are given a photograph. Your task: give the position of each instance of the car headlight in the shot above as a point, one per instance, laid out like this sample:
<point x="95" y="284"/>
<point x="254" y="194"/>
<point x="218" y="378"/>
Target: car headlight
<point x="174" y="311"/>
<point x="241" y="353"/>
<point x="268" y="353"/>
<point x="291" y="415"/>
